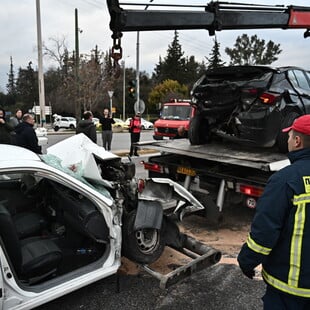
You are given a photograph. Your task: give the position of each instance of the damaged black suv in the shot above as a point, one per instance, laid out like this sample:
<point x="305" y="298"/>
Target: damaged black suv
<point x="249" y="104"/>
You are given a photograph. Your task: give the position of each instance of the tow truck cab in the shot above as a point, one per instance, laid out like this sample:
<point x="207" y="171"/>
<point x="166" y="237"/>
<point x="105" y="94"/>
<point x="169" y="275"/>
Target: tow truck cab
<point x="173" y="114"/>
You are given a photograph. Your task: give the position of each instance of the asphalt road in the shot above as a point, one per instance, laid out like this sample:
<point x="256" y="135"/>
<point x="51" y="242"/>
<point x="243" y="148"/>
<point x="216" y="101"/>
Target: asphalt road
<point x="219" y="287"/>
<point x="120" y="140"/>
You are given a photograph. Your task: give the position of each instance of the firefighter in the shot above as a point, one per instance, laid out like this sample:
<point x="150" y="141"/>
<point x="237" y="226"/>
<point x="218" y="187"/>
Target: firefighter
<point x="280" y="232"/>
<point x="135" y="130"/>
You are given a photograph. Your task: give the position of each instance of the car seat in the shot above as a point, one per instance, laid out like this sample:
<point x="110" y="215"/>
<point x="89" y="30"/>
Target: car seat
<point x="32" y="258"/>
<point x="29" y="224"/>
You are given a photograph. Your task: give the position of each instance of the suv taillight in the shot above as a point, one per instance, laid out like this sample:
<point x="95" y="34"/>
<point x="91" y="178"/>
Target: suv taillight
<point x="267" y="98"/>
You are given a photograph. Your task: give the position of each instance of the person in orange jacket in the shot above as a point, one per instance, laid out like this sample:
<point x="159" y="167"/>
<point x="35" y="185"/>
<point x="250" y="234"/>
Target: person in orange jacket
<point x="135" y="130"/>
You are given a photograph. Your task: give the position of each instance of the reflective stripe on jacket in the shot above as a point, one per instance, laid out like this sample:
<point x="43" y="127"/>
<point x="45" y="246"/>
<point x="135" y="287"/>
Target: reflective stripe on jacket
<point x="280" y="232"/>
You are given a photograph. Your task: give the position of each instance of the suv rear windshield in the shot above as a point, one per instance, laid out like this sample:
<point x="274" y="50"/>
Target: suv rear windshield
<point x="239" y="75"/>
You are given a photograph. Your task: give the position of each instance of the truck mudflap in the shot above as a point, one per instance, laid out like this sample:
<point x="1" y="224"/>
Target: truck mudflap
<point x="202" y="257"/>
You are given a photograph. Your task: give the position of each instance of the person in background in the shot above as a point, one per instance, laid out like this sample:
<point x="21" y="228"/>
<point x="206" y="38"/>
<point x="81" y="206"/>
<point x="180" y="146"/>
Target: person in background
<point x="14" y="121"/>
<point x="87" y="127"/>
<point x="280" y="234"/>
<point x="5" y="129"/>
<point x="135" y="131"/>
<point x="106" y="121"/>
<point x="17" y="118"/>
<point x="26" y="136"/>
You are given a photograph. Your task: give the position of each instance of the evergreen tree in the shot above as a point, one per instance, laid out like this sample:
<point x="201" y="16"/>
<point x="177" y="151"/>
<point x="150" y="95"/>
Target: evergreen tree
<point x="253" y="51"/>
<point x="27" y="87"/>
<point x="192" y="71"/>
<point x="215" y="61"/>
<point x="173" y="65"/>
<point x="10" y="86"/>
<point x="11" y="80"/>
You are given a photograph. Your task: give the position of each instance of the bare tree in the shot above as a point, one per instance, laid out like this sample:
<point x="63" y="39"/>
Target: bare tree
<point x="57" y="51"/>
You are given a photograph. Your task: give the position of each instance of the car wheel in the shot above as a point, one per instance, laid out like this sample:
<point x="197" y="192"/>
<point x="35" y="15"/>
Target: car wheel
<point x="198" y="132"/>
<point x="142" y="127"/>
<point x="143" y="246"/>
<point x="283" y="136"/>
<point x="56" y="128"/>
<point x="71" y="126"/>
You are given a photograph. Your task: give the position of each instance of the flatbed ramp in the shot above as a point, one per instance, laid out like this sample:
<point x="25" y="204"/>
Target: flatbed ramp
<point x="259" y="158"/>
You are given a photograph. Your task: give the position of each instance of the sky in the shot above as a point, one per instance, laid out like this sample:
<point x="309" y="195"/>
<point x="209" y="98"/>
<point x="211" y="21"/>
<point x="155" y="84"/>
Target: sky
<point x="18" y="35"/>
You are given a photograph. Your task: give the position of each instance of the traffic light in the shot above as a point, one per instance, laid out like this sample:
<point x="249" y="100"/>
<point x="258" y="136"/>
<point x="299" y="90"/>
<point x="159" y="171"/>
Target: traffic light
<point x="132" y="88"/>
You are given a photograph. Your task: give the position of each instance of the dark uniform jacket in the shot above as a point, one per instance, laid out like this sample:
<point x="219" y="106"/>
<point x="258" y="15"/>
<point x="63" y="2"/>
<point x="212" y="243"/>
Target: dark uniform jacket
<point x="26" y="137"/>
<point x="88" y="128"/>
<point x="280" y="232"/>
<point x="5" y="133"/>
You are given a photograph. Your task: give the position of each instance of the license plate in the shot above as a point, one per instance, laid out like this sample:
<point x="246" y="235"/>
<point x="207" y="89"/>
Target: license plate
<point x="187" y="171"/>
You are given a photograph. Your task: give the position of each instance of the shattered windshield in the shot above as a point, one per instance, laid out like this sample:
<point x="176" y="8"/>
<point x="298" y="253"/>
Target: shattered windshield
<point x="77" y="173"/>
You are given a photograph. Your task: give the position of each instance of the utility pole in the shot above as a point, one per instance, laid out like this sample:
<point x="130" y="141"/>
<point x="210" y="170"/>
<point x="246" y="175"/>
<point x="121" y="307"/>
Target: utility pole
<point x="137" y="67"/>
<point x="137" y="62"/>
<point x="124" y="87"/>
<point x="77" y="66"/>
<point x="40" y="66"/>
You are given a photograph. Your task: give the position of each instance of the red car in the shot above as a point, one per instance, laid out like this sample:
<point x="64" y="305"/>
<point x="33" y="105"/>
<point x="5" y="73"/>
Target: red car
<point x="173" y="115"/>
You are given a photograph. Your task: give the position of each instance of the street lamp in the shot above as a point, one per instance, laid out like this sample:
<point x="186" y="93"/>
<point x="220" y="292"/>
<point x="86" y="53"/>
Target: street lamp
<point x="111" y="92"/>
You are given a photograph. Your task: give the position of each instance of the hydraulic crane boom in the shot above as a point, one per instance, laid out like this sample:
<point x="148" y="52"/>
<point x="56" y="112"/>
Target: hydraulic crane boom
<point x="215" y="16"/>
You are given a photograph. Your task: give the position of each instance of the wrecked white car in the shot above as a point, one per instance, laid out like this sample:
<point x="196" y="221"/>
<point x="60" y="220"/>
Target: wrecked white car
<point x="67" y="217"/>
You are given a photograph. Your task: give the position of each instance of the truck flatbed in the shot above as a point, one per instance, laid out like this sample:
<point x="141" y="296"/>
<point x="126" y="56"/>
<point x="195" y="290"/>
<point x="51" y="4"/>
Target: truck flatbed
<point x="228" y="153"/>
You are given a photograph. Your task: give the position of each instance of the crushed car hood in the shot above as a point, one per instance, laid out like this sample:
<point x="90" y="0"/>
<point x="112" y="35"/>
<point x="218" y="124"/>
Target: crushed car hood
<point x="79" y="151"/>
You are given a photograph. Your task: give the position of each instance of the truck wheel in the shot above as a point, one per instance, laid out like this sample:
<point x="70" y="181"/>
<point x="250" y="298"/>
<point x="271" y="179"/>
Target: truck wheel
<point x="71" y="127"/>
<point x="143" y="246"/>
<point x="56" y="128"/>
<point x="198" y="130"/>
<point x="283" y="136"/>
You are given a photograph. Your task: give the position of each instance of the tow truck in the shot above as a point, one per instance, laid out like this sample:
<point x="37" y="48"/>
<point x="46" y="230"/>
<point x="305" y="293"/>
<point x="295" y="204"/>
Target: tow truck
<point x="214" y="172"/>
<point x="223" y="166"/>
